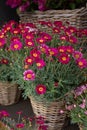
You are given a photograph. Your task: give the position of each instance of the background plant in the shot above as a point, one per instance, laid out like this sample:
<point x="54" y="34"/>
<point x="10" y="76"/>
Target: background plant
<point x="43" y="5"/>
<point x="77" y="106"/>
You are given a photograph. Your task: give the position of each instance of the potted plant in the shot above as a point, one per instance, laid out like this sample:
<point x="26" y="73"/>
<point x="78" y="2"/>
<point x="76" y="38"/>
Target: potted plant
<point x="9" y="91"/>
<point x="22" y="123"/>
<point x="47" y="66"/>
<point x="76" y="106"/>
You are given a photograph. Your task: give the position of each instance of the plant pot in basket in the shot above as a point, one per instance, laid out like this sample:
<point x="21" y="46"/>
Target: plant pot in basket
<point x="9" y="93"/>
<point x="54" y="113"/>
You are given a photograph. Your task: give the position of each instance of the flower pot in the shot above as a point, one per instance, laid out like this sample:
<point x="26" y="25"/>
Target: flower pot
<point x="53" y="112"/>
<point x="9" y="93"/>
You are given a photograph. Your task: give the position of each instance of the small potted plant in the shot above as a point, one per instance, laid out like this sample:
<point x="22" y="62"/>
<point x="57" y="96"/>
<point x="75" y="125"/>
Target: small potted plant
<point x="47" y="66"/>
<point x="9" y="91"/>
<point x="22" y="123"/>
<point x="77" y="106"/>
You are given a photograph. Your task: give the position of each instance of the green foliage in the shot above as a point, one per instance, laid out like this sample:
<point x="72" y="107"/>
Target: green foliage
<point x="59" y="77"/>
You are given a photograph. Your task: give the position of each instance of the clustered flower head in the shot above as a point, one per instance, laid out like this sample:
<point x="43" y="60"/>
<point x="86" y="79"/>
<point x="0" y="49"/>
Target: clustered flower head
<point x="44" y="64"/>
<point x="22" y="122"/>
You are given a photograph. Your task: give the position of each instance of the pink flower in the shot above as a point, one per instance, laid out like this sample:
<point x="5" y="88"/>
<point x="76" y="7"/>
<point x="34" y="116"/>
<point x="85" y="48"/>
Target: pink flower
<point x="13" y="3"/>
<point x="64" y="58"/>
<point x="35" y="53"/>
<point x="40" y="63"/>
<point x="53" y="51"/>
<point x="77" y="54"/>
<point x="61" y="49"/>
<point x="83" y="105"/>
<point x="41" y="40"/>
<point x="16" y="45"/>
<point x="2" y="42"/>
<point x="4" y="61"/>
<point x="73" y="40"/>
<point x="29" y="43"/>
<point x="56" y="30"/>
<point x="69" y="49"/>
<point x="28" y="36"/>
<point x="44" y="48"/>
<point x="29" y="60"/>
<point x="40" y="89"/>
<point x="82" y="63"/>
<point x="29" y="75"/>
<point x="20" y="125"/>
<point x="4" y="113"/>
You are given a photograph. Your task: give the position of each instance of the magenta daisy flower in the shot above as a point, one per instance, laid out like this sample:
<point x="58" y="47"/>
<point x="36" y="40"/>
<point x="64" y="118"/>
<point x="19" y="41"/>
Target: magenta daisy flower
<point x="2" y="42"/>
<point x="35" y="53"/>
<point x="64" y="58"/>
<point x="4" y="61"/>
<point x="82" y="63"/>
<point x="41" y="40"/>
<point x="53" y="51"/>
<point x="58" y="23"/>
<point x="29" y="75"/>
<point x="28" y="36"/>
<point x="29" y="43"/>
<point x="69" y="49"/>
<point x="73" y="40"/>
<point x="47" y="37"/>
<point x="15" y="31"/>
<point x="29" y="60"/>
<point x="44" y="48"/>
<point x="40" y="89"/>
<point x="63" y="37"/>
<point x="77" y="55"/>
<point x="20" y="125"/>
<point x="61" y="49"/>
<point x="56" y="30"/>
<point x="16" y="45"/>
<point x="40" y="63"/>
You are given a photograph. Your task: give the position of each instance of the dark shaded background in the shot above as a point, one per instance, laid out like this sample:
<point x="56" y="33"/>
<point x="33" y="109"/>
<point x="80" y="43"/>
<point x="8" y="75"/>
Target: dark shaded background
<point x="7" y="13"/>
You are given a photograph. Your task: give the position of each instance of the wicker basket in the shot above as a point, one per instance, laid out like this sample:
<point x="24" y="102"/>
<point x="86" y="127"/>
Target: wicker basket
<point x="76" y="17"/>
<point x="3" y="126"/>
<point x="51" y="112"/>
<point x="9" y="93"/>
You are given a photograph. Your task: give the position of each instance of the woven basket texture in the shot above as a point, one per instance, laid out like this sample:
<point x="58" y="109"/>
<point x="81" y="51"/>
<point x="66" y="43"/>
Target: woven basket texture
<point x="76" y="17"/>
<point x="51" y="112"/>
<point x="9" y="93"/>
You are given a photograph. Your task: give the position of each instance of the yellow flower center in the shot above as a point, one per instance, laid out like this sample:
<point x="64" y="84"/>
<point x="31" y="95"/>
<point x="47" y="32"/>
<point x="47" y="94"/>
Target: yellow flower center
<point x="29" y="43"/>
<point x="28" y="75"/>
<point x="38" y="64"/>
<point x="28" y="37"/>
<point x="80" y="63"/>
<point x="16" y="46"/>
<point x="51" y="52"/>
<point x="77" y="56"/>
<point x="61" y="50"/>
<point x="41" y="40"/>
<point x="40" y="89"/>
<point x="35" y="54"/>
<point x="29" y="60"/>
<point x="64" y="58"/>
<point x="15" y="32"/>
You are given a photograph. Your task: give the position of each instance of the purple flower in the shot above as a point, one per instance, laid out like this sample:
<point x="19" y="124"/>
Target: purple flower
<point x="13" y="3"/>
